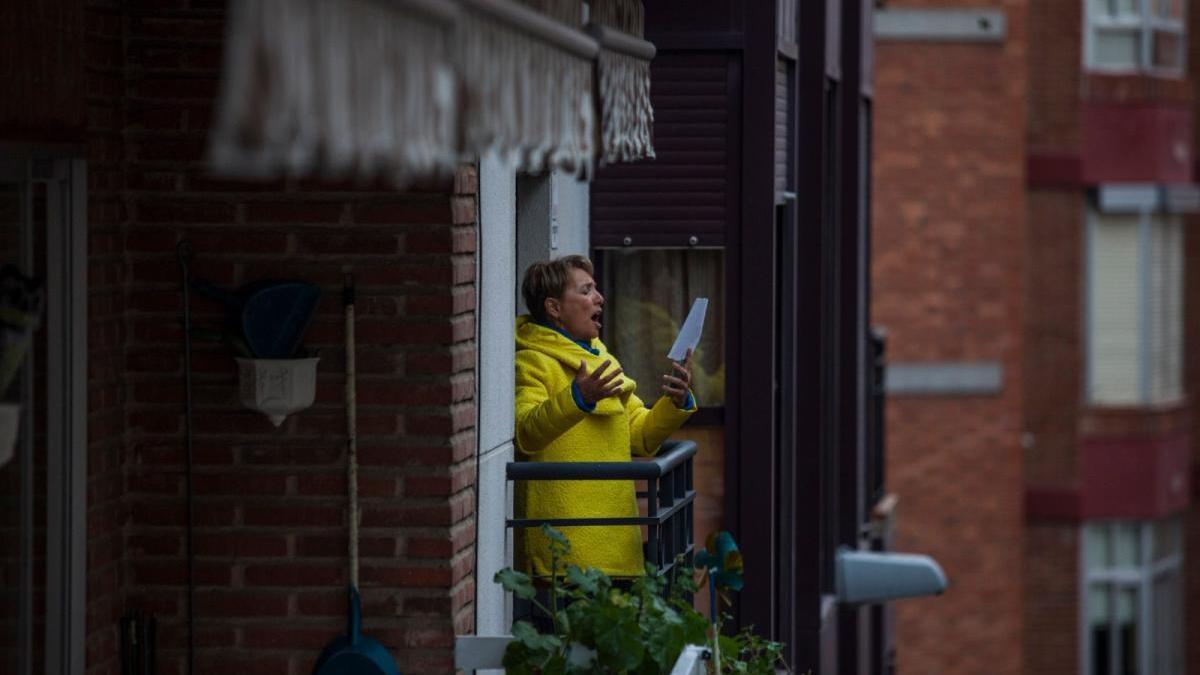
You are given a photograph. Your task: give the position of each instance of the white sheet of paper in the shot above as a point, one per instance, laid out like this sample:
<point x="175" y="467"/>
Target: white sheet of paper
<point x="689" y="334"/>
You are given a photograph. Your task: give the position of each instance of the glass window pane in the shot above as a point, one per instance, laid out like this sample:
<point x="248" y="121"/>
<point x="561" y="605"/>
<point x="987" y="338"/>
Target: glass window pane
<point x="648" y="293"/>
<point x="1169" y="9"/>
<point x="1103" y="8"/>
<point x="1127" y="545"/>
<point x="1099" y="625"/>
<point x="1167" y="50"/>
<point x="1118" y="48"/>
<point x="1097" y="548"/>
<point x="1127" y="629"/>
<point x="1128" y="7"/>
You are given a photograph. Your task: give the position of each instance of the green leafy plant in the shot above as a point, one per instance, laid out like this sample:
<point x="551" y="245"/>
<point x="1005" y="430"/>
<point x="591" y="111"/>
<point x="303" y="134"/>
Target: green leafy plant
<point x="599" y="628"/>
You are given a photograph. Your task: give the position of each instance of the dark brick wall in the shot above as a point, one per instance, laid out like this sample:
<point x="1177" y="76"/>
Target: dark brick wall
<point x="107" y="510"/>
<point x="270" y="540"/>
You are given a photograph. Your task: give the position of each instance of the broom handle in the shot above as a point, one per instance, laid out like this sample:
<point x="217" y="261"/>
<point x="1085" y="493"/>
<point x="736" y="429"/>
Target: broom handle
<point x="352" y="429"/>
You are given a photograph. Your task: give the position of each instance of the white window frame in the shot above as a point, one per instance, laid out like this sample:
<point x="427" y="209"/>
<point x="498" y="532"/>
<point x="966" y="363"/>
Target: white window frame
<point x="1146" y="216"/>
<point x="1140" y="577"/>
<point x="1146" y="22"/>
<point x="65" y="178"/>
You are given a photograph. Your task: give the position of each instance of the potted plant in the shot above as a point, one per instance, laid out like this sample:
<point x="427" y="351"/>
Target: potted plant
<point x="594" y="626"/>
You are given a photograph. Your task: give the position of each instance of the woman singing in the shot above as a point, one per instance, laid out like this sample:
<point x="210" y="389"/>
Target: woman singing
<point x="573" y="404"/>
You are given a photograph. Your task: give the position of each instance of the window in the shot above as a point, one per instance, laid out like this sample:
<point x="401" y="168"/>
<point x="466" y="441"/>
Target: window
<point x="1135" y="35"/>
<point x="1135" y="309"/>
<point x="1132" y="602"/>
<point x="648" y="293"/>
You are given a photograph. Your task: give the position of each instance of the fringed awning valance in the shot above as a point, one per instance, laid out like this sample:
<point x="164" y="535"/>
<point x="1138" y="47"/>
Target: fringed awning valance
<point x="528" y="93"/>
<point x="409" y="88"/>
<point x="623" y="69"/>
<point x="339" y="88"/>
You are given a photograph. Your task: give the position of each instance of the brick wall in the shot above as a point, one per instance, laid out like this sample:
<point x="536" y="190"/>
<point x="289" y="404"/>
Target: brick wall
<point x="107" y="511"/>
<point x="1054" y="339"/>
<point x="947" y="283"/>
<point x="1055" y="55"/>
<point x="1052" y="598"/>
<point x="270" y="504"/>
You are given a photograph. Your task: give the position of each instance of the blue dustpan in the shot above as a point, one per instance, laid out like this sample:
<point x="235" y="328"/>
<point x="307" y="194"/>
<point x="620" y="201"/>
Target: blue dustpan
<point x="271" y="315"/>
<point x="355" y="653"/>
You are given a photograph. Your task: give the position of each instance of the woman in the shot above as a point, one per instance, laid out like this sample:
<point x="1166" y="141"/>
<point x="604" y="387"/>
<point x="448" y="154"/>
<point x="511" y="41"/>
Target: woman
<point x="574" y="405"/>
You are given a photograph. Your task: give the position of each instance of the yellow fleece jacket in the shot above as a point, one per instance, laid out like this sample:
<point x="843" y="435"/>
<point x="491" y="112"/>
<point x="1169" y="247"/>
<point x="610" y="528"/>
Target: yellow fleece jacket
<point x="551" y="427"/>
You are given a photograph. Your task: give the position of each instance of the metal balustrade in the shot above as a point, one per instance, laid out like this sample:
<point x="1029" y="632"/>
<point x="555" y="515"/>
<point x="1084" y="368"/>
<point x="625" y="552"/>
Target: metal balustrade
<point x="669" y="495"/>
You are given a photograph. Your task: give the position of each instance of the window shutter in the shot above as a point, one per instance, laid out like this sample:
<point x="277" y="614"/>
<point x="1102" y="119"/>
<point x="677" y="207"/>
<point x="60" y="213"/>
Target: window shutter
<point x="783" y="109"/>
<point x="1166" y="306"/>
<point x="1115" y="311"/>
<point x="688" y="190"/>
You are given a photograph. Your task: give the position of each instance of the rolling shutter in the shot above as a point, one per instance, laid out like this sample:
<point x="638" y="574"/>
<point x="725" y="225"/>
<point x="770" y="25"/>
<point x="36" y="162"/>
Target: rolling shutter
<point x="1136" y="309"/>
<point x="1115" y="311"/>
<point x="690" y="189"/>
<point x="1166" y="309"/>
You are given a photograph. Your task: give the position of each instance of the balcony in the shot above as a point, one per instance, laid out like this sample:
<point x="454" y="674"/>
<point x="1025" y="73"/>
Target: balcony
<point x="666" y="486"/>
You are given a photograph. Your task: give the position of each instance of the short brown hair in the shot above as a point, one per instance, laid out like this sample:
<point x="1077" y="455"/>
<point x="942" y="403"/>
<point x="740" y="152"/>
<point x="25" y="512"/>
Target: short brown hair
<point x="548" y="279"/>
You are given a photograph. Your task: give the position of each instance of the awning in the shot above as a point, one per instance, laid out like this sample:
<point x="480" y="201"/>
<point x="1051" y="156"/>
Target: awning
<point x="337" y="87"/>
<point x="410" y="88"/>
<point x="623" y="70"/>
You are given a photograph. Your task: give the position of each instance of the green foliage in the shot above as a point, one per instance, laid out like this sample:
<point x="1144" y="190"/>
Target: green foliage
<point x="601" y="629"/>
<point x="750" y="654"/>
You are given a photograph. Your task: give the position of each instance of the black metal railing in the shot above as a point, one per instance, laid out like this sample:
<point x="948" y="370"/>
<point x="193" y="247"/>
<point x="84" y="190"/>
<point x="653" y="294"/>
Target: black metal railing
<point x="669" y="495"/>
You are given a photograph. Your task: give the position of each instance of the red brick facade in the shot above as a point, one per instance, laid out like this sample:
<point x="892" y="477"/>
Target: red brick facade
<point x="108" y="509"/>
<point x="270" y="504"/>
<point x="948" y="280"/>
<point x="936" y="178"/>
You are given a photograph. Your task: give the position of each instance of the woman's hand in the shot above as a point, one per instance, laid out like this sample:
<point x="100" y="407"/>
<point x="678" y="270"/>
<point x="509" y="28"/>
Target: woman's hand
<point x="595" y="385"/>
<point x="676" y="385"/>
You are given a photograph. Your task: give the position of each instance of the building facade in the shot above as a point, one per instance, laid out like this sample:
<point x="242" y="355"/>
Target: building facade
<point x="1032" y="269"/>
<point x="763" y="137"/>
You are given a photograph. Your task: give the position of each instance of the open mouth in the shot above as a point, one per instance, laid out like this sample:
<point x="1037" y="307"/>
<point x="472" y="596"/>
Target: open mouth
<point x="596" y="319"/>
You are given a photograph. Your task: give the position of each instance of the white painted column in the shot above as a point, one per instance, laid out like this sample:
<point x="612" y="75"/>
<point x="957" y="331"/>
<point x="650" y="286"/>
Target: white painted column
<point x="497" y="313"/>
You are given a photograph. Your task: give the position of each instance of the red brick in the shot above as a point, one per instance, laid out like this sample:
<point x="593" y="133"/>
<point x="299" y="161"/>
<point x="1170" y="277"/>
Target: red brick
<point x="239" y="484"/>
<point x="435" y="209"/>
<point x="231" y="545"/>
<point x="293" y="455"/>
<point x="437" y="605"/>
<point x="294" y="515"/>
<point x="177" y="150"/>
<point x="240" y="242"/>
<point x="392" y="393"/>
<point x="320" y="546"/>
<point x="463" y="210"/>
<point x="174" y="88"/>
<point x="294" y="212"/>
<point x="427" y="486"/>
<point x="295" y="575"/>
<point x="427" y="547"/>
<point x="407" y="577"/>
<point x="174" y="573"/>
<point x="286" y="638"/>
<point x="227" y="661"/>
<point x="404" y="516"/>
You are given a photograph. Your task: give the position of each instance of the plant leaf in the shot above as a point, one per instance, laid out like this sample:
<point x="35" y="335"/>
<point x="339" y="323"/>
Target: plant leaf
<point x="517" y="583"/>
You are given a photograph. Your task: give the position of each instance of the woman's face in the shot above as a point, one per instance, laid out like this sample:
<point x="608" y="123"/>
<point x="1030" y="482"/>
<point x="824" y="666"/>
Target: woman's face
<point x="578" y="310"/>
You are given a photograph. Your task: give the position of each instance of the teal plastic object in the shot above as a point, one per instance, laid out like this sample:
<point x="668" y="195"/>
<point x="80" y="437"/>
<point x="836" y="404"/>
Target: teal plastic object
<point x="355" y="653"/>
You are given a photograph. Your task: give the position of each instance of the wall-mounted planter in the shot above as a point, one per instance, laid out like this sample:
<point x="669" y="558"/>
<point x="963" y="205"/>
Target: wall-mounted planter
<point x="10" y="422"/>
<point x="277" y="387"/>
